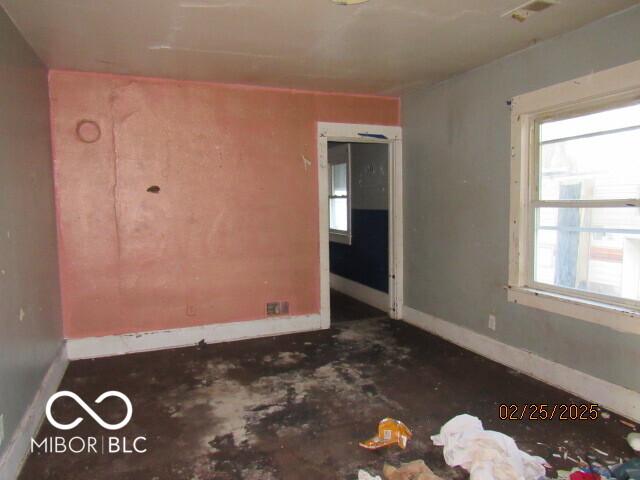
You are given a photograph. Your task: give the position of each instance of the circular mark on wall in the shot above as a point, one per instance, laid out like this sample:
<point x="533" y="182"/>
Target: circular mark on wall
<point x="88" y="131"/>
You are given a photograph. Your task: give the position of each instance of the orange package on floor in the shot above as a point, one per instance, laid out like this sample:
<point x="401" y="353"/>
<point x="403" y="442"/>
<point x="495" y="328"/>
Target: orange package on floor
<point x="390" y="432"/>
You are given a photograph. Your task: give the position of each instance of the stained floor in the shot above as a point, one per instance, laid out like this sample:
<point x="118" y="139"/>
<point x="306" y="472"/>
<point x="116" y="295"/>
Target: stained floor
<point x="295" y="406"/>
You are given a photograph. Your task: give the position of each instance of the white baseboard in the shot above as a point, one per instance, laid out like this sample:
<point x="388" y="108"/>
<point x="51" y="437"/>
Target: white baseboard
<point x="608" y="395"/>
<point x="361" y="292"/>
<point x="16" y="453"/>
<point x="111" y="345"/>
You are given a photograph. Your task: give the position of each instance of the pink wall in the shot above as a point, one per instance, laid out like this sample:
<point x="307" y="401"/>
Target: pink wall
<point x="235" y="223"/>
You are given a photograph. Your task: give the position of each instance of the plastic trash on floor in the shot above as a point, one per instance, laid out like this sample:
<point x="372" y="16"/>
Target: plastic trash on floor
<point x="487" y="455"/>
<point x="416" y="470"/>
<point x="364" y="475"/>
<point x="390" y="432"/>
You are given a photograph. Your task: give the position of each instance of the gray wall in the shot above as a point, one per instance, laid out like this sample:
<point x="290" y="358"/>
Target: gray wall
<point x="369" y="173"/>
<point x="456" y="155"/>
<point x="369" y="176"/>
<point x="30" y="319"/>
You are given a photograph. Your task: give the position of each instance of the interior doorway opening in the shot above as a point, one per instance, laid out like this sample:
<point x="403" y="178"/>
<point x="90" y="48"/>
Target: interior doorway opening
<point x="358" y="179"/>
<point x="361" y="216"/>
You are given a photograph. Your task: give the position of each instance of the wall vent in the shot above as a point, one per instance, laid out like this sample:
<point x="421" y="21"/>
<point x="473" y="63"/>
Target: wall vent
<point x="277" y="308"/>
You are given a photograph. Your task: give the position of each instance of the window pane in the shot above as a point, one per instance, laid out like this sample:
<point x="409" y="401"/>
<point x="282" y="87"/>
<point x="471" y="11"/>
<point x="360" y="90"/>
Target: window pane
<point x="592" y="249"/>
<point x="339" y="179"/>
<point x="606" y="120"/>
<point x="338" y="219"/>
<point x="605" y="164"/>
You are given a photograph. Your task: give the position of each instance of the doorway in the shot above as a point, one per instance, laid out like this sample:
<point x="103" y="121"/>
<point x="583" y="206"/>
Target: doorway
<point x="360" y="193"/>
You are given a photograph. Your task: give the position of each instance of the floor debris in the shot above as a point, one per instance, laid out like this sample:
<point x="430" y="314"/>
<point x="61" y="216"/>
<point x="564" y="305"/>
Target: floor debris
<point x="487" y="455"/>
<point x="224" y="412"/>
<point x="580" y="475"/>
<point x="390" y="432"/>
<point x="628" y="471"/>
<point x="633" y="439"/>
<point x="416" y="470"/>
<point x="364" y="475"/>
<point x="601" y="452"/>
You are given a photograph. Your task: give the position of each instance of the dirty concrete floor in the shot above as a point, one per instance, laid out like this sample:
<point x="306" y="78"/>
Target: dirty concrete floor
<point x="295" y="407"/>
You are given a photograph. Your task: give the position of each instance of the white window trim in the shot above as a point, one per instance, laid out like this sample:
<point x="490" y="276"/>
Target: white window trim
<point x="620" y="84"/>
<point x="340" y="236"/>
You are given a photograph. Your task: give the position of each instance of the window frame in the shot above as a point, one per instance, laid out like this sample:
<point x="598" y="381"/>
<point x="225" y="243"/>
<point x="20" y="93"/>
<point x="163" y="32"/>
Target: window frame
<point x="600" y="91"/>
<point x="340" y="236"/>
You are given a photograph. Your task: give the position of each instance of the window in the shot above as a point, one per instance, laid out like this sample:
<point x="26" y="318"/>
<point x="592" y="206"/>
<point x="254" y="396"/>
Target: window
<point x="575" y="199"/>
<point x="586" y="234"/>
<point x="340" y="192"/>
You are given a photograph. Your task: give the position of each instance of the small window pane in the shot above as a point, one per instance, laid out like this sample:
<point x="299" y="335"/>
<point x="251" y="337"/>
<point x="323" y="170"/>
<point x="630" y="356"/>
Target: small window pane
<point x="338" y="219"/>
<point x="603" y="121"/>
<point x="596" y="250"/>
<point x="339" y="179"/>
<point x="604" y="164"/>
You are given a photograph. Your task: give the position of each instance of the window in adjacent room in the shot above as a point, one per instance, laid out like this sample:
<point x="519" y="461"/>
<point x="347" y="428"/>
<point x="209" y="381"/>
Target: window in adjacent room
<point x="575" y="198"/>
<point x="340" y="192"/>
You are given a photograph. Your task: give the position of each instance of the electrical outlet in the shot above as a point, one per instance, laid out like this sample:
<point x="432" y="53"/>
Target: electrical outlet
<point x="1" y="428"/>
<point x="492" y="322"/>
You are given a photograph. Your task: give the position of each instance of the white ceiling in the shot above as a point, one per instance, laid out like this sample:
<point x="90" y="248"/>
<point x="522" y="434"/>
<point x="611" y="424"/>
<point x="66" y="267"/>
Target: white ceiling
<point x="380" y="46"/>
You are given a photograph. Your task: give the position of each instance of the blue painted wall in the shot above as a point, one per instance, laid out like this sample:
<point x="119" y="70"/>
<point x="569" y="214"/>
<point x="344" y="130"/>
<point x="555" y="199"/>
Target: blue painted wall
<point x="366" y="259"/>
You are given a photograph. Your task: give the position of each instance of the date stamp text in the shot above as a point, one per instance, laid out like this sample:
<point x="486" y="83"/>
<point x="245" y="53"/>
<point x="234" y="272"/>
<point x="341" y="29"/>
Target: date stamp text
<point x="543" y="411"/>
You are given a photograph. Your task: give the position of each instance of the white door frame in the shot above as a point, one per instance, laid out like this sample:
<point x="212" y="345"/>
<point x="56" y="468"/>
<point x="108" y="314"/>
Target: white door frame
<point x="349" y="132"/>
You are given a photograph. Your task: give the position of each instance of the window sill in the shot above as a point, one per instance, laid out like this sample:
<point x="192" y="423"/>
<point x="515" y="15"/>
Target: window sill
<point x="619" y="318"/>
<point x="343" y="238"/>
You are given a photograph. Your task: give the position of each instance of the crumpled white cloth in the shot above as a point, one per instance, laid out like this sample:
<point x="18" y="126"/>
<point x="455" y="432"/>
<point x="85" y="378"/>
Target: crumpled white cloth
<point x="362" y="475"/>
<point x="487" y="455"/>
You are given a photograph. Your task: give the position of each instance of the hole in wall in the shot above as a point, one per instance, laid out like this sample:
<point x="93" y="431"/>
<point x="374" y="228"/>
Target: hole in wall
<point x="88" y="131"/>
<point x="153" y="189"/>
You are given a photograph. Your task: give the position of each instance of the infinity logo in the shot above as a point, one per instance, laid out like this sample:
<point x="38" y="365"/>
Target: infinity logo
<point x="89" y="410"/>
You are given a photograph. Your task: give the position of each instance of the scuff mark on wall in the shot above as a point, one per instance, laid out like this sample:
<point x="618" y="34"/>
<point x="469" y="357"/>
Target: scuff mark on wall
<point x="306" y="162"/>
